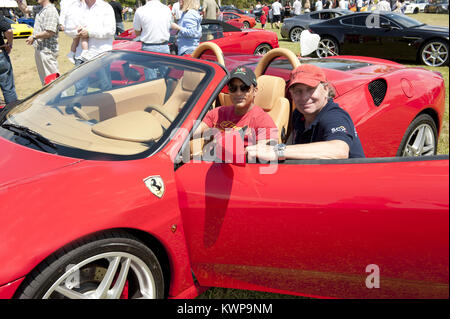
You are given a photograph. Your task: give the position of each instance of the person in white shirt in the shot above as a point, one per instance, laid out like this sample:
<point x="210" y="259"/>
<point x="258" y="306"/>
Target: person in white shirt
<point x="343" y="4"/>
<point x="152" y="22"/>
<point x="318" y="5"/>
<point x="176" y="12"/>
<point x="297" y="7"/>
<point x="383" y="5"/>
<point x="276" y="7"/>
<point x="100" y="28"/>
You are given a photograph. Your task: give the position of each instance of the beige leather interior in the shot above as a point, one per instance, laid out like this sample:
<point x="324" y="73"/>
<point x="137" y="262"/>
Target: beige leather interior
<point x="270" y="97"/>
<point x="180" y="95"/>
<point x="137" y="126"/>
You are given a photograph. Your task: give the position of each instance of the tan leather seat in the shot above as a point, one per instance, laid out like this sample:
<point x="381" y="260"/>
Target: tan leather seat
<point x="271" y="98"/>
<point x="183" y="90"/>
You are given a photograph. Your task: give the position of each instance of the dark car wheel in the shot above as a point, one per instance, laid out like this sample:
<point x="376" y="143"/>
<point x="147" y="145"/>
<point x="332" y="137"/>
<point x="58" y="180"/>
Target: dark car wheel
<point x="106" y="267"/>
<point x="262" y="49"/>
<point x="420" y="138"/>
<point x="246" y="25"/>
<point x="434" y="53"/>
<point x="294" y="35"/>
<point x="327" y="47"/>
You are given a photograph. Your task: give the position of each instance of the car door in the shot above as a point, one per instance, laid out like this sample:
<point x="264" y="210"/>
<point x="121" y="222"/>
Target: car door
<point x="214" y="32"/>
<point x="397" y="42"/>
<point x="318" y="228"/>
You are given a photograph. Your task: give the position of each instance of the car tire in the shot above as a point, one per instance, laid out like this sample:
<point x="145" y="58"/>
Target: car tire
<point x="246" y="25"/>
<point x="416" y="11"/>
<point x="262" y="49"/>
<point x="109" y="266"/>
<point x="294" y="34"/>
<point x="328" y="46"/>
<point x="434" y="53"/>
<point x="420" y="138"/>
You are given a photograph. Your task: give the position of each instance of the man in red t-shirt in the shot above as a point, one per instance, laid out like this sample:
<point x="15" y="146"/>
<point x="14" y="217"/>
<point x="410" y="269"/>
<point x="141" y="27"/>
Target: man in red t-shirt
<point x="256" y="125"/>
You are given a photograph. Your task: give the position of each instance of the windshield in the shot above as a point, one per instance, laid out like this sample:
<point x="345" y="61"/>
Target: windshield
<point x="404" y="20"/>
<point x="122" y="103"/>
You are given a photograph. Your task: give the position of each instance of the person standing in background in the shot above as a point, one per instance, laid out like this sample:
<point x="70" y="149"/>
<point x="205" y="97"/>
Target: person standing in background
<point x="189" y="27"/>
<point x="210" y="9"/>
<point x="297" y="7"/>
<point x="152" y="22"/>
<point x="176" y="11"/>
<point x="6" y="71"/>
<point x="118" y="11"/>
<point x="44" y="38"/>
<point x="276" y="9"/>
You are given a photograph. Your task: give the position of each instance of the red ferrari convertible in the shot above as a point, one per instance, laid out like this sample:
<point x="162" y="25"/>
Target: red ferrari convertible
<point x="230" y="38"/>
<point x="105" y="194"/>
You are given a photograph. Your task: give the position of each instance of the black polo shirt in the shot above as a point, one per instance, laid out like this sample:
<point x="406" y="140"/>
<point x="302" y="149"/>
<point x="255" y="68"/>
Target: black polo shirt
<point x="332" y="123"/>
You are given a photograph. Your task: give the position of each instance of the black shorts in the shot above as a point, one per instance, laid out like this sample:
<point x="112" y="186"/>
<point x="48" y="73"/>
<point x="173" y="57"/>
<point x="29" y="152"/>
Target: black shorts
<point x="276" y="18"/>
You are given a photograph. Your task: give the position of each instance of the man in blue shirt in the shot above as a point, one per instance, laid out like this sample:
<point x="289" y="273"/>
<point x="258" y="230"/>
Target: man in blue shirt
<point x="321" y="129"/>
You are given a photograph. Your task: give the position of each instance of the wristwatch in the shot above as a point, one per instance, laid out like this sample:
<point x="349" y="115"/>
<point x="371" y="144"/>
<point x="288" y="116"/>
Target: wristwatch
<point x="279" y="150"/>
<point x="34" y="37"/>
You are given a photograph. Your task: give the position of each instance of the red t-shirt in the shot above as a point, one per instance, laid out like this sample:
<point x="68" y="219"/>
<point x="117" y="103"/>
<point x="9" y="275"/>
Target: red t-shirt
<point x="266" y="10"/>
<point x="263" y="19"/>
<point x="259" y="123"/>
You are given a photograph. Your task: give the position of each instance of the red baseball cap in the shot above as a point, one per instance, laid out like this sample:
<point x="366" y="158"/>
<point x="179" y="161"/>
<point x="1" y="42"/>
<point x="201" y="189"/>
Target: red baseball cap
<point x="308" y="74"/>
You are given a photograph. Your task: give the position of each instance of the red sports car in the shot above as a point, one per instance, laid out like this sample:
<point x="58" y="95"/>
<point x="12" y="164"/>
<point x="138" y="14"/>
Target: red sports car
<point x="104" y="193"/>
<point x="230" y="38"/>
<point x="247" y="21"/>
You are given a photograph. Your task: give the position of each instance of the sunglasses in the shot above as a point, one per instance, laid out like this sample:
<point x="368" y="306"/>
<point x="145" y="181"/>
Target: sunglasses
<point x="244" y="88"/>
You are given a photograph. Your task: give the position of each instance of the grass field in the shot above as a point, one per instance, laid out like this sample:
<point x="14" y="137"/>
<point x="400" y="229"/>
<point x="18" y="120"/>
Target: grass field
<point x="27" y="81"/>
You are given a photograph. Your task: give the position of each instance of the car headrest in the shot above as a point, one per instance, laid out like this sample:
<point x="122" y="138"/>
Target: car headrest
<point x="270" y="88"/>
<point x="191" y="79"/>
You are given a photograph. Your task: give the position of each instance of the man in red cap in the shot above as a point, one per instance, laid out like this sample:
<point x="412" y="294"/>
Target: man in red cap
<point x="321" y="129"/>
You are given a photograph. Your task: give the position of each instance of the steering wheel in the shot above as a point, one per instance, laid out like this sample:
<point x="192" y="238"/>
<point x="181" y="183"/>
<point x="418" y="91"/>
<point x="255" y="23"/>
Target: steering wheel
<point x="272" y="55"/>
<point x="82" y="114"/>
<point x="209" y="46"/>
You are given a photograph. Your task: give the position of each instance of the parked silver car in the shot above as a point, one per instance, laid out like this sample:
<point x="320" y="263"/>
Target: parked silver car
<point x="292" y="27"/>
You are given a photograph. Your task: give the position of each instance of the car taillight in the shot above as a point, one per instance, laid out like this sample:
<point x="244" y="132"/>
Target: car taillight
<point x="311" y="31"/>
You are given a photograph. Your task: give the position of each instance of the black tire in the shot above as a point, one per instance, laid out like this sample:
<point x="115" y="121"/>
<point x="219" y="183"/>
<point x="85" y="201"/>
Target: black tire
<point x="420" y="138"/>
<point x="328" y="46"/>
<point x="79" y="270"/>
<point x="434" y="53"/>
<point x="416" y="11"/>
<point x="294" y="34"/>
<point x="246" y="25"/>
<point x="262" y="49"/>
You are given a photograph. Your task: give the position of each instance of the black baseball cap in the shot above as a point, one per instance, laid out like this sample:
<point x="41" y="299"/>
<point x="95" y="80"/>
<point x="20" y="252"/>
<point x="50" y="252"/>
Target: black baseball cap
<point x="244" y="74"/>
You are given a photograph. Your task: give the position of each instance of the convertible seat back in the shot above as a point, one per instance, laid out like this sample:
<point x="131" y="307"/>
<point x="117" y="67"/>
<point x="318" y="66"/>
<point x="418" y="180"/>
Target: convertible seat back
<point x="270" y="98"/>
<point x="183" y="90"/>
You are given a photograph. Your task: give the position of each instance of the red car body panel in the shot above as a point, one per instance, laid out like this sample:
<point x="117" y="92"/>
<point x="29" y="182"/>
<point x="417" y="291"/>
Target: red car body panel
<point x="244" y="42"/>
<point x="241" y="18"/>
<point x="310" y="229"/>
<point x="325" y="233"/>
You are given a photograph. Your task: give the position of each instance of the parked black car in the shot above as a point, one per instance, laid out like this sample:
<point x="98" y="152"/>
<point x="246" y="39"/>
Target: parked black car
<point x="437" y="7"/>
<point x="383" y="35"/>
<point x="293" y="27"/>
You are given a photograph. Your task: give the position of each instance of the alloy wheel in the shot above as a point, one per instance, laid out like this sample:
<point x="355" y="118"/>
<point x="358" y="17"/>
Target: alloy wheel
<point x="435" y="53"/>
<point x="421" y="142"/>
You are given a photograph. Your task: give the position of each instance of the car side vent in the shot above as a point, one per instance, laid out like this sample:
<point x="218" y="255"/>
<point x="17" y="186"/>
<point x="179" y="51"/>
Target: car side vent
<point x="378" y="90"/>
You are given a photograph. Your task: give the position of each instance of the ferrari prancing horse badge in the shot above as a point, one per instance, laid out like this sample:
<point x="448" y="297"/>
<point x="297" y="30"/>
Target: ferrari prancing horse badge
<point x="156" y="185"/>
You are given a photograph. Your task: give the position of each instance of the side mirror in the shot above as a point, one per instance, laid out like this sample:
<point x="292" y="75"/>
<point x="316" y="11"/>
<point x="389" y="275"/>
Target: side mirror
<point x="51" y="77"/>
<point x="309" y="42"/>
<point x="386" y="25"/>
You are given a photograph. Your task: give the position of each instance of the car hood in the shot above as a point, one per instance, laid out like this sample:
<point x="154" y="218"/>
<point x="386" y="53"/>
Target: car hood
<point x="19" y="163"/>
<point x="433" y="28"/>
